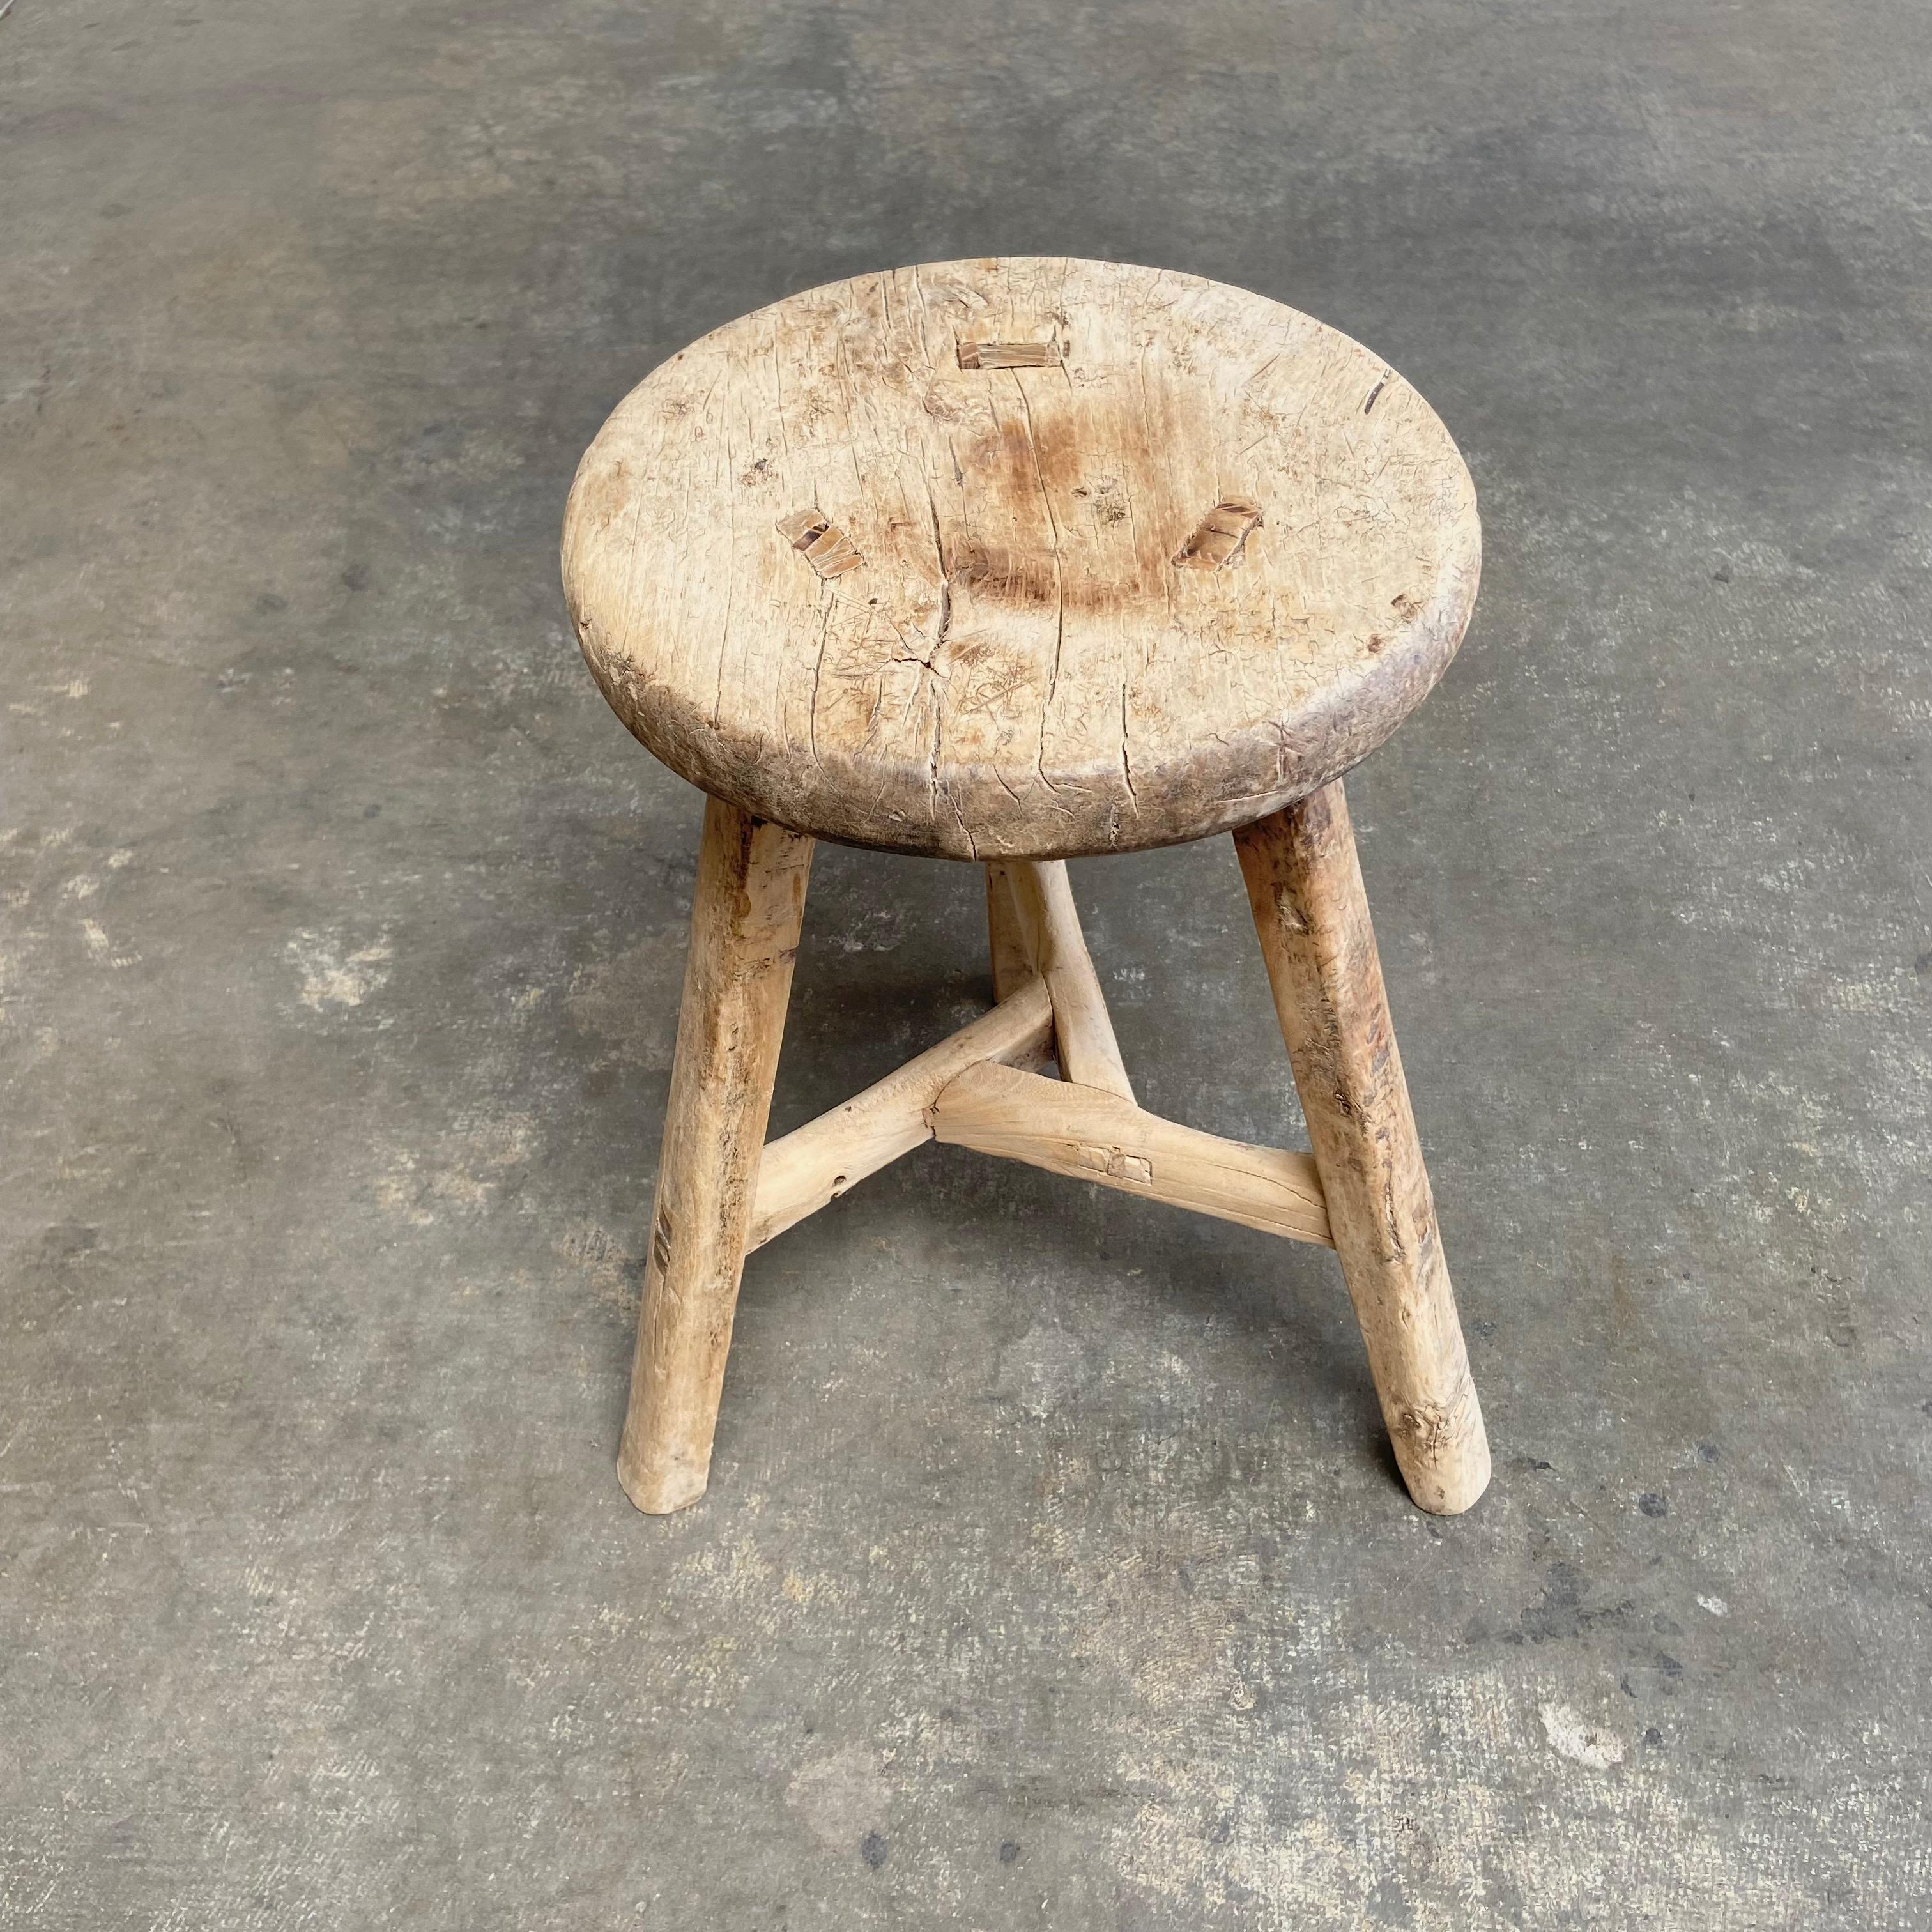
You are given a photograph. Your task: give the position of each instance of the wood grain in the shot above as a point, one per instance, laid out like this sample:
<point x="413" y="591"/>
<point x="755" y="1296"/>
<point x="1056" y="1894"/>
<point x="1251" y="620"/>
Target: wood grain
<point x="817" y="1162"/>
<point x="1090" y="1135"/>
<point x="1022" y="557"/>
<point x="1305" y="888"/>
<point x="1084" y="1041"/>
<point x="1013" y="961"/>
<point x="749" y="900"/>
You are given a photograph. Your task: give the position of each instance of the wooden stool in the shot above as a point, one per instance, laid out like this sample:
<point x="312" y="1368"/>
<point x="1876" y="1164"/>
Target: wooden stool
<point x="1011" y="561"/>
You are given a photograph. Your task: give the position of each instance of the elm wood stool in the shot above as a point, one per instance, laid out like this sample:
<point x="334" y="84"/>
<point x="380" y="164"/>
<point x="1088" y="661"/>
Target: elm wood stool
<point x="1011" y="561"/>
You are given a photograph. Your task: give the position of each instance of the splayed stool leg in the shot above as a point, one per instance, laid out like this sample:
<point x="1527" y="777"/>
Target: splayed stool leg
<point x="745" y="922"/>
<point x="1305" y="889"/>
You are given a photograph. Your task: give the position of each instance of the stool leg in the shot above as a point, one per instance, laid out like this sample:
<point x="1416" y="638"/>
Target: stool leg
<point x="1012" y="963"/>
<point x="745" y="922"/>
<point x="1305" y="887"/>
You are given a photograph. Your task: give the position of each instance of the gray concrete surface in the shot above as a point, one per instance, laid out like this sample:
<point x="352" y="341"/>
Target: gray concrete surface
<point x="1054" y="1572"/>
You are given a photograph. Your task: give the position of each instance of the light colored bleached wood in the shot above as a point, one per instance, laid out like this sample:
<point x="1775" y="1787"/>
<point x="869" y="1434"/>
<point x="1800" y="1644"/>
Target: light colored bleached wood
<point x="1050" y="926"/>
<point x="1025" y="558"/>
<point x="1012" y="963"/>
<point x="1094" y="1135"/>
<point x="744" y="917"/>
<point x="820" y="1161"/>
<point x="1305" y="886"/>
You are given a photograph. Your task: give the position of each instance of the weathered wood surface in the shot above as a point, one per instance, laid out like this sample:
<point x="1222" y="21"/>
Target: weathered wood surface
<point x="1049" y="927"/>
<point x="745" y="918"/>
<point x="1012" y="963"/>
<point x="1090" y="1134"/>
<point x="815" y="1164"/>
<point x="1305" y="888"/>
<point x="1019" y="558"/>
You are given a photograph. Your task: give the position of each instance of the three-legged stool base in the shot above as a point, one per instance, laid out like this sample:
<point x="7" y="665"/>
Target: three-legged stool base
<point x="722" y="1191"/>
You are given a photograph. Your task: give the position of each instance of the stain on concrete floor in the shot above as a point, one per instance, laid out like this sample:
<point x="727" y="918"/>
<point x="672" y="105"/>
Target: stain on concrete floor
<point x="1054" y="1571"/>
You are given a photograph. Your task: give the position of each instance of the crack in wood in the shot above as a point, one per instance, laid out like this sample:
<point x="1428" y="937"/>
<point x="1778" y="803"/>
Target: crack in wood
<point x="1032" y="442"/>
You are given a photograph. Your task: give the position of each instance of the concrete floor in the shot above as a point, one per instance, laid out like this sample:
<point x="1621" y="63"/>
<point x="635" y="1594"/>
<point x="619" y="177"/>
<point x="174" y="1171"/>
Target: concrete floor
<point x="1054" y="1572"/>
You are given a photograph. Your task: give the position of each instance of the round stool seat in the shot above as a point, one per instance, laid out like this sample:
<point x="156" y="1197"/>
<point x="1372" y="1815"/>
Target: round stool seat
<point x="1019" y="558"/>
